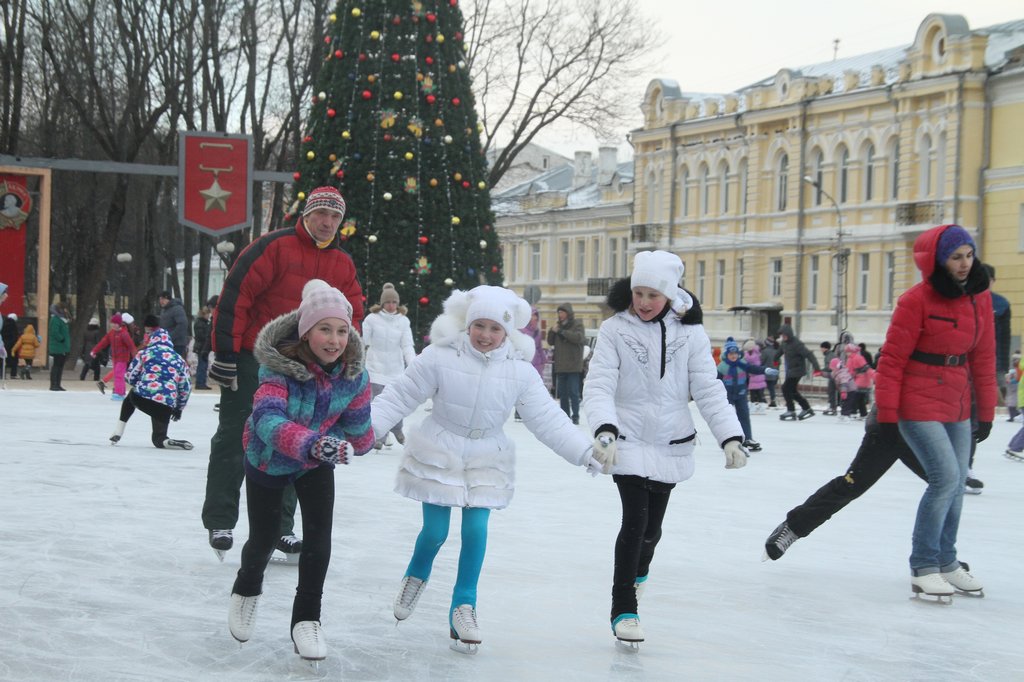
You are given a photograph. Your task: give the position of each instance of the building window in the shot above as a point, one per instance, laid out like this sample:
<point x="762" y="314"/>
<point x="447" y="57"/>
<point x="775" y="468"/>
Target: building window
<point x="613" y="257"/>
<point x="862" y="280"/>
<point x="625" y="256"/>
<point x="704" y="207"/>
<point x="812" y="284"/>
<point x="894" y="170"/>
<point x="740" y="283"/>
<point x="775" y="278"/>
<point x="513" y="252"/>
<point x="890" y="279"/>
<point x="720" y="283"/>
<point x="844" y="175"/>
<point x="742" y="173"/>
<point x="819" y="176"/>
<point x="684" y="192"/>
<point x="581" y="258"/>
<point x="940" y="166"/>
<point x="545" y="162"/>
<point x="534" y="261"/>
<point x="782" y="183"/>
<point x="869" y="172"/>
<point x="924" y="164"/>
<point x="563" y="261"/>
<point x="700" y="280"/>
<point x="595" y="257"/>
<point x="723" y="188"/>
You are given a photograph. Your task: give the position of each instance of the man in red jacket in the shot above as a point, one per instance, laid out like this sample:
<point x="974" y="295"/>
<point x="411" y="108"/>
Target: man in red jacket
<point x="940" y="344"/>
<point x="266" y="282"/>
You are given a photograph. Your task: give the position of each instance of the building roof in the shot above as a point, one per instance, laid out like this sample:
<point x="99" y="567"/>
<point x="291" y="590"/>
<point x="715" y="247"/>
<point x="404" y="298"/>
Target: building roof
<point x="558" y="180"/>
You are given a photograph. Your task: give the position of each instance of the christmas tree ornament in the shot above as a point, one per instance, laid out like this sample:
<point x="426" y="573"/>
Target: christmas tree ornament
<point x="372" y="239"/>
<point x="333" y="17"/>
<point x="301" y="196"/>
<point x="438" y="123"/>
<point x="356" y="12"/>
<point x="424" y="301"/>
<point x="456" y="220"/>
<point x="310" y="155"/>
<point x="411" y="185"/>
<point x="367" y="94"/>
<point x="423" y="266"/>
<point x="370" y="177"/>
<point x="346" y="135"/>
<point x="483" y="244"/>
<point x="447" y="139"/>
<point x="433" y="182"/>
<point x="456" y="101"/>
<point x="338" y="54"/>
<point x="332" y="158"/>
<point x="374" y="35"/>
<point x="331" y="113"/>
<point x="448" y="281"/>
<point x="322" y="95"/>
<point x="457" y="176"/>
<point x="387" y="118"/>
<point x="398" y="94"/>
<point x="423" y="239"/>
<point x="387" y="196"/>
<point x="440" y="37"/>
<point x="431" y="99"/>
<point x="481" y="185"/>
<point x="409" y="156"/>
<point x="465" y="184"/>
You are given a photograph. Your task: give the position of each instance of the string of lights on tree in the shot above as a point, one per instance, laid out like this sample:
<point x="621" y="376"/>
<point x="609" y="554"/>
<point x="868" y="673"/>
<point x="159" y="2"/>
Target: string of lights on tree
<point x="393" y="126"/>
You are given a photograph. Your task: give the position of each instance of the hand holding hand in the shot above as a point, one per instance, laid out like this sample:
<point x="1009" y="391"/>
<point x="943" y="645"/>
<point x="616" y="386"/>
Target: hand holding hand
<point x="735" y="455"/>
<point x="224" y="370"/>
<point x="604" y="450"/>
<point x="816" y="373"/>
<point x="771" y="372"/>
<point x="331" y="450"/>
<point x="593" y="466"/>
<point x="983" y="431"/>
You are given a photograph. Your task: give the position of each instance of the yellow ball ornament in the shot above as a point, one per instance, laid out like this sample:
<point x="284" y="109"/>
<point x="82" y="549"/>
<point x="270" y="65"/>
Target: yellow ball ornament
<point x="333" y="18"/>
<point x="301" y="196"/>
<point x="356" y="12"/>
<point x="409" y="156"/>
<point x="398" y="94"/>
<point x="481" y="185"/>
<point x="374" y="35"/>
<point x="456" y="220"/>
<point x="346" y="135"/>
<point x="440" y="37"/>
<point x="458" y="177"/>
<point x="310" y="155"/>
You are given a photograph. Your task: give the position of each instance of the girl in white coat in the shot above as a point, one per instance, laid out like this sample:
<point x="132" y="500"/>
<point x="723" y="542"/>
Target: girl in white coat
<point x="460" y="456"/>
<point x="650" y="358"/>
<point x="387" y="337"/>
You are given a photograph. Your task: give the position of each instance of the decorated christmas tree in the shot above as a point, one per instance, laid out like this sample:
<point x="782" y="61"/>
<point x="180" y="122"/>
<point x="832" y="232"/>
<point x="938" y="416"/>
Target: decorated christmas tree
<point x="393" y="126"/>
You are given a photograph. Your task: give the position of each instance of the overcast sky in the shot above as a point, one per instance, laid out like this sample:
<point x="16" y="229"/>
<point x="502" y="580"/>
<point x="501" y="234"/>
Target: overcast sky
<point x="723" y="46"/>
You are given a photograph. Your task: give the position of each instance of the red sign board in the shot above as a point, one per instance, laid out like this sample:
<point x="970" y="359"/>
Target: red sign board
<point x="214" y="181"/>
<point x="15" y="206"/>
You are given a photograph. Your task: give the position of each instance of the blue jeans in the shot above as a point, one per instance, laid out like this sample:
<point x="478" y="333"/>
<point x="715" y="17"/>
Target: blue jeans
<point x="567" y="388"/>
<point x="202" y="368"/>
<point x="943" y="450"/>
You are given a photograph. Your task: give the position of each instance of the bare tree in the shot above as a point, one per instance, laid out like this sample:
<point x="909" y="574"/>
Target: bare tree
<point x="537" y="62"/>
<point x="12" y="66"/>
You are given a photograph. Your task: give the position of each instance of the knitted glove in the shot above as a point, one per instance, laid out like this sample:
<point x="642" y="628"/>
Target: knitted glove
<point x="735" y="455"/>
<point x="176" y="415"/>
<point x="331" y="450"/>
<point x="604" y="450"/>
<point x="771" y="372"/>
<point x="224" y="370"/>
<point x="984" y="429"/>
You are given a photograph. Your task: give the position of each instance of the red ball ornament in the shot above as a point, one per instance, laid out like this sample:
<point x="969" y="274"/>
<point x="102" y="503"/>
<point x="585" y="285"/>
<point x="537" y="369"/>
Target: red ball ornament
<point x="465" y="184"/>
<point x="487" y="228"/>
<point x="338" y="54"/>
<point x="458" y="35"/>
<point x="327" y="40"/>
<point x="340" y="174"/>
<point x="456" y="101"/>
<point x="453" y="2"/>
<point x="331" y="113"/>
<point x="494" y="268"/>
<point x="395" y="57"/>
<point x="423" y="240"/>
<point x="387" y="137"/>
<point x="296" y="175"/>
<point x="431" y="17"/>
<point x="424" y="300"/>
<point x="429" y="38"/>
<point x="397" y="20"/>
<point x="431" y="99"/>
<point x="307" y="138"/>
<point x="362" y="56"/>
<point x="367" y="94"/>
<point x="314" y="99"/>
<point x="429" y="61"/>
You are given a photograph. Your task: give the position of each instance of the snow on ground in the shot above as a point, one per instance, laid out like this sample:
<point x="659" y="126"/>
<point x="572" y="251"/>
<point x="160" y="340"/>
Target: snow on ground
<point x="106" y="574"/>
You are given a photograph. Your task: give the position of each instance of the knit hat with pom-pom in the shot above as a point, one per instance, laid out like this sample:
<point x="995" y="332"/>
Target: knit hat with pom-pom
<point x="319" y="301"/>
<point x="388" y="294"/>
<point x="730" y="346"/>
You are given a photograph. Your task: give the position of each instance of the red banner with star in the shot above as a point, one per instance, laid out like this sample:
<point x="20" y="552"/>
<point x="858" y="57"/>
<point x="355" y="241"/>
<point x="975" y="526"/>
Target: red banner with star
<point x="15" y="206"/>
<point x="214" y="181"/>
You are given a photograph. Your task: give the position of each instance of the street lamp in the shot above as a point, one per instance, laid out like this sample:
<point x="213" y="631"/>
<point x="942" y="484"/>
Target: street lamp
<point x="123" y="259"/>
<point x="842" y="257"/>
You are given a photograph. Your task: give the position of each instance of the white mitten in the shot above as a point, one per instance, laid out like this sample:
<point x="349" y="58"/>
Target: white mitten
<point x="593" y="466"/>
<point x="735" y="455"/>
<point x="604" y="450"/>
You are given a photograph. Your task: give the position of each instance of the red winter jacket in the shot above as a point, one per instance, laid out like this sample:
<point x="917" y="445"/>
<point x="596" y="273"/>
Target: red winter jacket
<point x="937" y="316"/>
<point x="267" y="279"/>
<point x="122" y="348"/>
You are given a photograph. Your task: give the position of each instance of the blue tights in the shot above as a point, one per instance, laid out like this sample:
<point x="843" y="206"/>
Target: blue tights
<point x="436" y="521"/>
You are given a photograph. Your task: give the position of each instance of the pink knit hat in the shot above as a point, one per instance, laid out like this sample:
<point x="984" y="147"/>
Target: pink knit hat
<point x="319" y="301"/>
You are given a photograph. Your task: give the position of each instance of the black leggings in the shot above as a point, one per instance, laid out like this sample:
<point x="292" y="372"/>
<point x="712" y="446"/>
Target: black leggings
<point x="643" y="509"/>
<point x="315" y="490"/>
<point x="159" y="414"/>
<point x="790" y="393"/>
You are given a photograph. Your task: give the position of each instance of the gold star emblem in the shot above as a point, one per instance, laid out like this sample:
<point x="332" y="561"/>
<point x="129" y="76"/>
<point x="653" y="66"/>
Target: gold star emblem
<point x="216" y="196"/>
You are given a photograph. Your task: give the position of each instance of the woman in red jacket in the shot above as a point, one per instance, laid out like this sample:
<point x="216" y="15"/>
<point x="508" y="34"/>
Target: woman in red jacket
<point x="941" y="340"/>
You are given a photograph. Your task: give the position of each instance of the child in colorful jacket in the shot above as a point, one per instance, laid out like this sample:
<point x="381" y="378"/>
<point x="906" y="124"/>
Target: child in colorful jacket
<point x="736" y="373"/>
<point x="122" y="350"/>
<point x="310" y="413"/>
<point x="25" y="350"/>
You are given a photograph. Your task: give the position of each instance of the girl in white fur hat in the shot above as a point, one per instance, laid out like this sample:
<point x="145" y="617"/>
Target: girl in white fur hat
<point x="651" y="357"/>
<point x="477" y="369"/>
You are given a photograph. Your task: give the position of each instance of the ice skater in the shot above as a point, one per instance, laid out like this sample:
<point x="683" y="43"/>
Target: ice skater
<point x="477" y="369"/>
<point x="311" y="412"/>
<point x="651" y="357"/>
<point x="736" y="374"/>
<point x="159" y="385"/>
<point x="122" y="350"/>
<point x="796" y="356"/>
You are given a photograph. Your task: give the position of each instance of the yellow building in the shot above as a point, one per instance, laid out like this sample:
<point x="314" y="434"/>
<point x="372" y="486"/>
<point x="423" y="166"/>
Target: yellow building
<point x="751" y="188"/>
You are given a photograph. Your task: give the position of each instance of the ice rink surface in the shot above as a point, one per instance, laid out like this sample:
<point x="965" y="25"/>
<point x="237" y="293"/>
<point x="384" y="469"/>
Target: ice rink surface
<point x="105" y="571"/>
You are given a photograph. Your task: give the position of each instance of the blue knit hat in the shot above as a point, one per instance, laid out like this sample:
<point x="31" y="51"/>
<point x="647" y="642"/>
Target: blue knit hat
<point x="951" y="239"/>
<point x="730" y="346"/>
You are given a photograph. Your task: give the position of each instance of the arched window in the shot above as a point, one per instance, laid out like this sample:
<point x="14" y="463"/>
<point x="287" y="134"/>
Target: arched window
<point x="844" y="175"/>
<point x="940" y="166"/>
<point x="818" y="169"/>
<point x="782" y="182"/>
<point x="652" y="196"/>
<point x="741" y="173"/>
<point x="704" y="190"/>
<point x="894" y="169"/>
<point x="924" y="164"/>
<point x="684" y="192"/>
<point x="869" y="172"/>
<point x="723" y="188"/>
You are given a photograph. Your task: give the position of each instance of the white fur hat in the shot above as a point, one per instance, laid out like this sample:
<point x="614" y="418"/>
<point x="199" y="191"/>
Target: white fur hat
<point x="661" y="271"/>
<point x="498" y="304"/>
<point x="319" y="301"/>
<point x="127" y="318"/>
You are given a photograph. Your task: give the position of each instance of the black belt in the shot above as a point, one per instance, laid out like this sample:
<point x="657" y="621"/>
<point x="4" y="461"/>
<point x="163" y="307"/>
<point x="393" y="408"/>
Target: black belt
<point x="939" y="359"/>
<point x="678" y="441"/>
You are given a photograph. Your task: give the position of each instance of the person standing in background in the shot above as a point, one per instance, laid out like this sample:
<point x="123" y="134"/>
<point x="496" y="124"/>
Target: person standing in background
<point x="58" y="340"/>
<point x="1001" y="316"/>
<point x="174" y="321"/>
<point x="387" y="336"/>
<point x="566" y="339"/>
<point x="201" y="333"/>
<point x="796" y="356"/>
<point x="10" y="335"/>
<point x="91" y="338"/>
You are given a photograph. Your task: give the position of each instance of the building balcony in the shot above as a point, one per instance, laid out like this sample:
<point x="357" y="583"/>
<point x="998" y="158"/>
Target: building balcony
<point x="920" y="213"/>
<point x="646" y="234"/>
<point x="599" y="286"/>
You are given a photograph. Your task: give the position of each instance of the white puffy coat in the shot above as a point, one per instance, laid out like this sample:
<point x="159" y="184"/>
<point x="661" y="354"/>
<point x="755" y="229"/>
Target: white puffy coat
<point x="388" y="340"/>
<point x="624" y="388"/>
<point x="460" y="456"/>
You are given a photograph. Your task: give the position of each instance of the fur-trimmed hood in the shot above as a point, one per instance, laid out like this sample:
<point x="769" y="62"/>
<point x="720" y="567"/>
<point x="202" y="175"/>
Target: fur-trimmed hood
<point x="285" y="328"/>
<point x="401" y="310"/>
<point x="449" y="328"/>
<point x="620" y="297"/>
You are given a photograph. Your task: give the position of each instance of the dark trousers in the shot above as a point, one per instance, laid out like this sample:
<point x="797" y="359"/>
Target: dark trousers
<point x="567" y="388"/>
<point x="90" y="364"/>
<point x="874" y="457"/>
<point x="158" y="413"/>
<point x="771" y="390"/>
<point x="643" y="509"/>
<point x="790" y="394"/>
<point x="315" y="491"/>
<point x="833" y="394"/>
<point x="224" y="474"/>
<point x="57" y="370"/>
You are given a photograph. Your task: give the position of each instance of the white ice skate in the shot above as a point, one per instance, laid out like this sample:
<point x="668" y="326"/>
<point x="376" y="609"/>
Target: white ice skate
<point x="118" y="432"/>
<point x="639" y="585"/>
<point x="627" y="630"/>
<point x="964" y="583"/>
<point x="1014" y="456"/>
<point x="171" y="444"/>
<point x="932" y="585"/>
<point x="408" y="595"/>
<point x="242" y="616"/>
<point x="465" y="632"/>
<point x="308" y="638"/>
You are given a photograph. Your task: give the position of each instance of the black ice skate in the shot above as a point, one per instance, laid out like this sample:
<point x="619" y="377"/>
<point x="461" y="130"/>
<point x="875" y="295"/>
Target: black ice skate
<point x="805" y="414"/>
<point x="752" y="445"/>
<point x="788" y="416"/>
<point x="290" y="547"/>
<point x="779" y="541"/>
<point x="171" y="444"/>
<point x="221" y="540"/>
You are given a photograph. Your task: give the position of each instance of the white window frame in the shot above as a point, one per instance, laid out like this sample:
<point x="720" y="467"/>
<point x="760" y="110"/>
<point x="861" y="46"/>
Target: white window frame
<point x="863" y="279"/>
<point x="701" y="274"/>
<point x="775" y="278"/>
<point x="535" y="264"/>
<point x="720" y="283"/>
<point x="813" y="281"/>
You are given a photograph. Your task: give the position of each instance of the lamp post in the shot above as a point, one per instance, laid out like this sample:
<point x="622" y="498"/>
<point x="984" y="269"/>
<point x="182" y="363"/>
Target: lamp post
<point x="841" y="256"/>
<point x="123" y="259"/>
